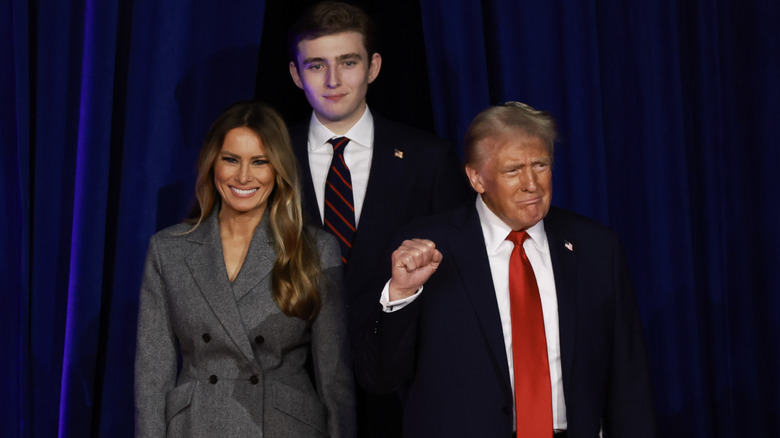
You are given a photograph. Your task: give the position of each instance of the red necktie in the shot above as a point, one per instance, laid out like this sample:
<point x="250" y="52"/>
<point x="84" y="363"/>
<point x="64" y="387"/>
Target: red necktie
<point x="533" y="394"/>
<point x="339" y="206"/>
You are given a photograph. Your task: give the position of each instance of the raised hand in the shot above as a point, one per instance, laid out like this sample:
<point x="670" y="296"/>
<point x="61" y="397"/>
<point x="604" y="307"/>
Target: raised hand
<point x="413" y="264"/>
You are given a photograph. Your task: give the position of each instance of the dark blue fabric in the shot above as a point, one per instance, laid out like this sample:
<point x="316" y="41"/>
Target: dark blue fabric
<point x="14" y="213"/>
<point x="669" y="117"/>
<point x="100" y="134"/>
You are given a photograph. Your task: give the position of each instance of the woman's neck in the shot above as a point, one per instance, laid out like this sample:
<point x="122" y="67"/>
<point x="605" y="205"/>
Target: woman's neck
<point x="238" y="225"/>
<point x="236" y="232"/>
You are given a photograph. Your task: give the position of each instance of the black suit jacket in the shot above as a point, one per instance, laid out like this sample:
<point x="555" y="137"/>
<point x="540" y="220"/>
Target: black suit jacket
<point x="423" y="179"/>
<point x="446" y="349"/>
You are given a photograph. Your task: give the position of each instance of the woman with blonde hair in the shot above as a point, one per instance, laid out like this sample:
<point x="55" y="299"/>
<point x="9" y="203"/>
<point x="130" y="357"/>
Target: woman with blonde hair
<point x="236" y="301"/>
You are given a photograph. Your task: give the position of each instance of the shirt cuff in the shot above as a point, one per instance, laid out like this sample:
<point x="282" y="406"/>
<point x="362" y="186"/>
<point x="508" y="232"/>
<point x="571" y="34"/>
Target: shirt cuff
<point x="392" y="306"/>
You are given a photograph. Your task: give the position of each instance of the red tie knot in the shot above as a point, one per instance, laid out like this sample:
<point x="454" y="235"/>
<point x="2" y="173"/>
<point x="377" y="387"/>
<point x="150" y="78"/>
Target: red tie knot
<point x="517" y="237"/>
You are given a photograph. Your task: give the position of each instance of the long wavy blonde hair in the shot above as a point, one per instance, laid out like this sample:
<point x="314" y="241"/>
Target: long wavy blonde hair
<point x="297" y="270"/>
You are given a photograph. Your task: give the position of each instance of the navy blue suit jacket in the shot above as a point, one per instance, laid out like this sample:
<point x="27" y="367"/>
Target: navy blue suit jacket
<point x="413" y="174"/>
<point x="445" y="351"/>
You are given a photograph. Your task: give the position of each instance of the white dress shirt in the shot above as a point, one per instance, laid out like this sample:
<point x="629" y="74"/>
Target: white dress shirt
<point x="357" y="155"/>
<point x="499" y="251"/>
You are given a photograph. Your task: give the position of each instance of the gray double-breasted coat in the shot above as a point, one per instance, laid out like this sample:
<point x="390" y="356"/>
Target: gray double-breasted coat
<point x="242" y="366"/>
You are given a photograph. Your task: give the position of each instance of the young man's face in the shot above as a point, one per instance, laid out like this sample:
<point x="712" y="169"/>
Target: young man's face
<point x="334" y="73"/>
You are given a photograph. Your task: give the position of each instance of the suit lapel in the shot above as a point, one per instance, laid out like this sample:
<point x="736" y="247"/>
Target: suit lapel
<point x="563" y="254"/>
<point x="470" y="257"/>
<point x="386" y="171"/>
<point x="207" y="266"/>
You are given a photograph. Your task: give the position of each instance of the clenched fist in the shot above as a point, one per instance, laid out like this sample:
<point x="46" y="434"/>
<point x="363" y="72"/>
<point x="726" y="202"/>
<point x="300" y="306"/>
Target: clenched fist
<point x="413" y="264"/>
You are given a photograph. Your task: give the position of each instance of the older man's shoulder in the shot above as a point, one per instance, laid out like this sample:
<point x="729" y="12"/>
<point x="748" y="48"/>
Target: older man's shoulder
<point x="567" y="221"/>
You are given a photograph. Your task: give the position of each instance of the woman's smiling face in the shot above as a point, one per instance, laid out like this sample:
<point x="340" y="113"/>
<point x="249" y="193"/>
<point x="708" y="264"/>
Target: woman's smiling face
<point x="242" y="173"/>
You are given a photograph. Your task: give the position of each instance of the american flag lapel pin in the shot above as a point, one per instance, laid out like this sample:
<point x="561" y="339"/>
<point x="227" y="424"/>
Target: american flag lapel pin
<point x="569" y="246"/>
<point x="399" y="154"/>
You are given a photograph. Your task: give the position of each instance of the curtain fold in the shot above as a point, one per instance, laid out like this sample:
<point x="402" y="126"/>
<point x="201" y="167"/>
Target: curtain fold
<point x="14" y="180"/>
<point x="100" y="134"/>
<point x="457" y="64"/>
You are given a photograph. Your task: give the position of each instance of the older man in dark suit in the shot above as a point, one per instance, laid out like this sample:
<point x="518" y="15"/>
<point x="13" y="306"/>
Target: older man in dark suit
<point x="363" y="176"/>
<point x="527" y="324"/>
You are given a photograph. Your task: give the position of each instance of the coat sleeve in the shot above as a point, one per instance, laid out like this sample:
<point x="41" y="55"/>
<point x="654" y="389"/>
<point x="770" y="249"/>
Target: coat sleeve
<point x="629" y="411"/>
<point x="156" y="351"/>
<point x="385" y="351"/>
<point x="330" y="345"/>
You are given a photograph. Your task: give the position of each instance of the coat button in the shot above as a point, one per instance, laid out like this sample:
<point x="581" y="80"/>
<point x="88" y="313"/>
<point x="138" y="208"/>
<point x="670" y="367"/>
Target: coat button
<point x="253" y="380"/>
<point x="206" y="338"/>
<point x="259" y="339"/>
<point x="213" y="379"/>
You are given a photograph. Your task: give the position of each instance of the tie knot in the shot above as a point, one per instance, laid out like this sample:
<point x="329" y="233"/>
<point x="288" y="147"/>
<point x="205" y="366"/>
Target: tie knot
<point x="517" y="237"/>
<point x="338" y="144"/>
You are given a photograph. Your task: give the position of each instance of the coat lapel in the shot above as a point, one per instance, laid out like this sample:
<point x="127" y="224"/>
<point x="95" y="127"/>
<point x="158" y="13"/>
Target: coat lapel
<point x="207" y="266"/>
<point x="563" y="254"/>
<point x="470" y="257"/>
<point x="258" y="263"/>
<point x="386" y="170"/>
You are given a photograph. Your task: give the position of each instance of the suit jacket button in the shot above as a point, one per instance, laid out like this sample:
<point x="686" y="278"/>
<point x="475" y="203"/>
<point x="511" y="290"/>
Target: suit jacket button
<point x="213" y="379"/>
<point x="206" y="338"/>
<point x="259" y="339"/>
<point x="253" y="380"/>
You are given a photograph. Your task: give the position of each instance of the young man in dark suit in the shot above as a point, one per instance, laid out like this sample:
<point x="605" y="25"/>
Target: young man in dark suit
<point x="527" y="324"/>
<point x="363" y="176"/>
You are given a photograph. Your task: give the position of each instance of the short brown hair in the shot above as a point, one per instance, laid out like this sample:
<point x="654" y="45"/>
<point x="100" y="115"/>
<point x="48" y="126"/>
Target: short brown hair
<point x="330" y="18"/>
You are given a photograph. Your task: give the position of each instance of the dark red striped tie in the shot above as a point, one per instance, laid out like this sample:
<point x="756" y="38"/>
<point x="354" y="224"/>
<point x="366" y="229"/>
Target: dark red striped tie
<point x="339" y="206"/>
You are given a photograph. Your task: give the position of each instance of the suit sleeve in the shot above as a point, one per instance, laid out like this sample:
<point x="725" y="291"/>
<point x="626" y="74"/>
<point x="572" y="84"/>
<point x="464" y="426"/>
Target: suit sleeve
<point x="385" y="351"/>
<point x="156" y="351"/>
<point x="629" y="411"/>
<point x="330" y="345"/>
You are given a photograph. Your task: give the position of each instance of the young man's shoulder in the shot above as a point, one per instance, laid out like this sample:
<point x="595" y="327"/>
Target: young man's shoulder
<point x="397" y="130"/>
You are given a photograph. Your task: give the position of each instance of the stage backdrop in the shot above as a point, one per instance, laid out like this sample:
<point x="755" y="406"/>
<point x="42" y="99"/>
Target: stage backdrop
<point x="669" y="117"/>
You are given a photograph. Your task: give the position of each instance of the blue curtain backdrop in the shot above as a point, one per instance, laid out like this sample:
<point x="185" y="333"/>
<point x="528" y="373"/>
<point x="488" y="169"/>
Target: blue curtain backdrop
<point x="669" y="117"/>
<point x="104" y="103"/>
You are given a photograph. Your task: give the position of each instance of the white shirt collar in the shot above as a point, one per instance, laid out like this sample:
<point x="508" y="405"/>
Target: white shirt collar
<point x="361" y="133"/>
<point x="495" y="230"/>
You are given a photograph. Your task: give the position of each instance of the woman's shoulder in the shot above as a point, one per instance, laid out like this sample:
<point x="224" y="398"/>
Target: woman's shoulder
<point x="173" y="233"/>
<point x="180" y="229"/>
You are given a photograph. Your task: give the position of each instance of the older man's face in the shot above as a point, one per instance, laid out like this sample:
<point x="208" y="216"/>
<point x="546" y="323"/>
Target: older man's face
<point x="514" y="178"/>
